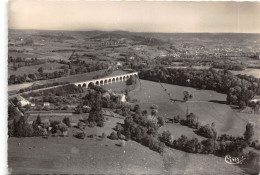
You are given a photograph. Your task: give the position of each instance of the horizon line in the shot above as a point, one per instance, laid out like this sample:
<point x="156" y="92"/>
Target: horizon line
<point x="136" y="31"/>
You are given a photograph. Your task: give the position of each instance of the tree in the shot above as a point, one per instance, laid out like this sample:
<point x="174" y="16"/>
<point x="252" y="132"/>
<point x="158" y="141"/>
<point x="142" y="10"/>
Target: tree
<point x="161" y="121"/>
<point x="167" y="138"/>
<point x="128" y="134"/>
<point x="192" y="145"/>
<point x="80" y="135"/>
<point x="38" y="120"/>
<point x="40" y="70"/>
<point x="119" y="127"/>
<point x="209" y="146"/>
<point x="249" y="132"/>
<point x="187" y="95"/>
<point x="191" y="120"/>
<point x="66" y="121"/>
<point x="207" y="131"/>
<point x="154" y="112"/>
<point x="13" y="112"/>
<point x="22" y="128"/>
<point x="119" y="135"/>
<point x="181" y="142"/>
<point x="137" y="109"/>
<point x="113" y="136"/>
<point x="177" y="119"/>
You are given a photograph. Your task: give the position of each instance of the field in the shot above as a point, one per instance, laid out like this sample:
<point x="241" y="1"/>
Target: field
<point x="48" y="67"/>
<point x="69" y="155"/>
<point x="225" y="118"/>
<point x="205" y="104"/>
<point x="253" y="72"/>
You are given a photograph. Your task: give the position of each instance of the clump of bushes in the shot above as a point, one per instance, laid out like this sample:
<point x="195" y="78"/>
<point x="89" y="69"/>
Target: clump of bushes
<point x="153" y="143"/>
<point x="96" y="117"/>
<point x="187" y="95"/>
<point x="191" y="121"/>
<point x="141" y="129"/>
<point x="81" y="125"/>
<point x="80" y="135"/>
<point x="121" y="143"/>
<point x="255" y="144"/>
<point x="177" y="119"/>
<point x="59" y="129"/>
<point x="207" y="131"/>
<point x="119" y="127"/>
<point x="113" y="136"/>
<point x="66" y="121"/>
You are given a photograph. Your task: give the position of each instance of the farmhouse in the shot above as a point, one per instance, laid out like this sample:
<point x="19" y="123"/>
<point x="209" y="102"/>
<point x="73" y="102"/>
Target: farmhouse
<point x="254" y="100"/>
<point x="46" y="104"/>
<point x="22" y="101"/>
<point x="122" y="97"/>
<point x="118" y="64"/>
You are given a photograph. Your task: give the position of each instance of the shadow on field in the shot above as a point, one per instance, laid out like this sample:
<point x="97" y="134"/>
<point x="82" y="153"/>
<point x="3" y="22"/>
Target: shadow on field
<point x="218" y="101"/>
<point x="176" y="100"/>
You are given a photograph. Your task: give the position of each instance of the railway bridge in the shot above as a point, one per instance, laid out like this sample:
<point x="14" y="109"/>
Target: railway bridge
<point x="107" y="80"/>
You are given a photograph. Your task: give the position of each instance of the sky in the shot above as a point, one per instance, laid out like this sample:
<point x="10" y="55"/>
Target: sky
<point x="144" y="16"/>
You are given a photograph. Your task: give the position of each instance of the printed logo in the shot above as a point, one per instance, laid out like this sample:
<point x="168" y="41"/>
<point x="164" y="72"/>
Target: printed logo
<point x="234" y="160"/>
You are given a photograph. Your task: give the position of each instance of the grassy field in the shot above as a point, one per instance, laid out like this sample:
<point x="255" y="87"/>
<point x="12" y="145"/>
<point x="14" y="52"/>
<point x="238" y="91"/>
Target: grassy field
<point x="152" y="92"/>
<point x="253" y="72"/>
<point x="92" y="155"/>
<point x="95" y="155"/>
<point x="179" y="162"/>
<point x="226" y="119"/>
<point x="48" y="67"/>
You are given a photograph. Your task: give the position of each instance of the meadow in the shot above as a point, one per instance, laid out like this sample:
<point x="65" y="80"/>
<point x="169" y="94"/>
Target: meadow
<point x="249" y="71"/>
<point x="207" y="105"/>
<point x="48" y="68"/>
<point x="69" y="155"/>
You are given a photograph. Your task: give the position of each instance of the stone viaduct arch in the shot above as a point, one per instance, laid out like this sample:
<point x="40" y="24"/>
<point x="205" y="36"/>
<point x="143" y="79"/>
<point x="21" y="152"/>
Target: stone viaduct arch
<point x="106" y="80"/>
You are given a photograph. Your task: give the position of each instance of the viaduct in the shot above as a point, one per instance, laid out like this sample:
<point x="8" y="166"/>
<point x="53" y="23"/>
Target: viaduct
<point x="106" y="80"/>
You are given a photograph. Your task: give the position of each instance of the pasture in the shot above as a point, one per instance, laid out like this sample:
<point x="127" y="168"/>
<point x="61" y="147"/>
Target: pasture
<point x="69" y="155"/>
<point x="249" y="71"/>
<point x="48" y="68"/>
<point x="205" y="104"/>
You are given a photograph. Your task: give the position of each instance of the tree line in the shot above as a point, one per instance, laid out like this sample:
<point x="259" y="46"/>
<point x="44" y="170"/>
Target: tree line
<point x="239" y="89"/>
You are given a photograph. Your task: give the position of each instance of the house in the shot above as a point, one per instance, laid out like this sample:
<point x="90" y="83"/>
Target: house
<point x="118" y="64"/>
<point x="121" y="97"/>
<point x="22" y="101"/>
<point x="254" y="100"/>
<point x="46" y="104"/>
